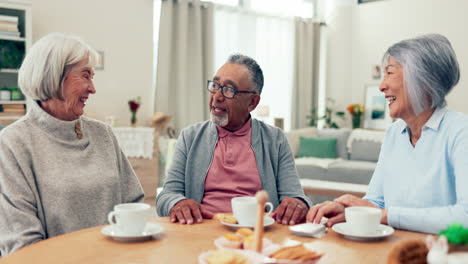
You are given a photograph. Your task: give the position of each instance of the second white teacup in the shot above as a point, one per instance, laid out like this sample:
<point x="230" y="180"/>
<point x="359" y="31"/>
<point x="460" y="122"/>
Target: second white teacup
<point x="363" y="220"/>
<point x="245" y="209"/>
<point x="130" y="218"/>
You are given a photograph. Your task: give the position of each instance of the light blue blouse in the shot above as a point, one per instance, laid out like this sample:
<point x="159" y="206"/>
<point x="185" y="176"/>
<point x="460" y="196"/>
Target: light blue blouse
<point x="424" y="188"/>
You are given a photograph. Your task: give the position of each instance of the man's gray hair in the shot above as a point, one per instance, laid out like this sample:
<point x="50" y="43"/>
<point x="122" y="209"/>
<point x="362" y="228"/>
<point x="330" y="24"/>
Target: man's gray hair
<point x="256" y="74"/>
<point x="430" y="69"/>
<point x="48" y="63"/>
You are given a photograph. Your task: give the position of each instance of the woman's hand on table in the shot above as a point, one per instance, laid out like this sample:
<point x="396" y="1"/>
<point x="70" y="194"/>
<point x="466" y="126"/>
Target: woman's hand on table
<point x="188" y="211"/>
<point x="334" y="211"/>
<point x="351" y="200"/>
<point x="291" y="211"/>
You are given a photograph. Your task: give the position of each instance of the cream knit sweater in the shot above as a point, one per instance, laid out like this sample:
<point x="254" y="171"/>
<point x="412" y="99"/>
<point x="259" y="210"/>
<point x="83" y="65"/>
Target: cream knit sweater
<point x="53" y="183"/>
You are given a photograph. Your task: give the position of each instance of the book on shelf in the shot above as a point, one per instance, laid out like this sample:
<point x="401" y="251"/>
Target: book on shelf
<point x="8" y="23"/>
<point x="18" y="110"/>
<point x="5" y="18"/>
<point x="9" y="34"/>
<point x="12" y="113"/>
<point x="13" y="106"/>
<point x="9" y="28"/>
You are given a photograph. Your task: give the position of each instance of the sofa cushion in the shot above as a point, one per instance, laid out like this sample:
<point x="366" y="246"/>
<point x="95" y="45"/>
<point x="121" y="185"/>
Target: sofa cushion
<point x="294" y="135"/>
<point x="351" y="171"/>
<point x="364" y="144"/>
<point x="341" y="136"/>
<point x="313" y="168"/>
<point x="365" y="150"/>
<point x="317" y="147"/>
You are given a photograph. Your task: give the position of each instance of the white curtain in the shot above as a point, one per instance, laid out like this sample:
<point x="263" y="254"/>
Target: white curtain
<point x="305" y="92"/>
<point x="270" y="41"/>
<point x="185" y="60"/>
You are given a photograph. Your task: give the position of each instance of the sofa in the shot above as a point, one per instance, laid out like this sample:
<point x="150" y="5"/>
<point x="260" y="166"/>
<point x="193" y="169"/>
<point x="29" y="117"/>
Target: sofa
<point x="357" y="152"/>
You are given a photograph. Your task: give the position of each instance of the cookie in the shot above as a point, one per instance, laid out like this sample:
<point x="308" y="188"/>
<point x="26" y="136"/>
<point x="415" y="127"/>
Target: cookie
<point x="227" y="218"/>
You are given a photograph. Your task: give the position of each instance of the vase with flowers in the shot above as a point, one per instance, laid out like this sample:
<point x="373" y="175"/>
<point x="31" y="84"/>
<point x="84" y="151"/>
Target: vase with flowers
<point x="356" y="111"/>
<point x="134" y="104"/>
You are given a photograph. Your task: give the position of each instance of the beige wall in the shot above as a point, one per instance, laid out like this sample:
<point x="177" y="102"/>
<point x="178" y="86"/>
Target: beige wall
<point x="373" y="27"/>
<point x="123" y="29"/>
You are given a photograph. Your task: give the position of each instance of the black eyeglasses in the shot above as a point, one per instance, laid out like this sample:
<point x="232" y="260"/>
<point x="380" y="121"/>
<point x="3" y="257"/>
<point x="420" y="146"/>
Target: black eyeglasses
<point x="227" y="92"/>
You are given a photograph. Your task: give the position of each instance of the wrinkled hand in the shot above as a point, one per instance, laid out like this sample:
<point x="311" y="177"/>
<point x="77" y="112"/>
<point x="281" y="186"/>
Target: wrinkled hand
<point x="333" y="210"/>
<point x="188" y="212"/>
<point x="291" y="211"/>
<point x="351" y="200"/>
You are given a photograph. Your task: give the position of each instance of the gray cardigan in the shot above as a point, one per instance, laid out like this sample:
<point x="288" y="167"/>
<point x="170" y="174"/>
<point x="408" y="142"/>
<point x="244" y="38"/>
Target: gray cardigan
<point x="53" y="183"/>
<point x="194" y="153"/>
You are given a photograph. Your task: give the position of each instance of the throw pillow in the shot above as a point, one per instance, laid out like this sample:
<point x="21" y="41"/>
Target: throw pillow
<point x="294" y="135"/>
<point x="317" y="147"/>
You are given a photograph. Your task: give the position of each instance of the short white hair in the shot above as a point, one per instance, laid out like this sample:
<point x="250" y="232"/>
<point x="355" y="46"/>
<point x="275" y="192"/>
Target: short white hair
<point x="48" y="63"/>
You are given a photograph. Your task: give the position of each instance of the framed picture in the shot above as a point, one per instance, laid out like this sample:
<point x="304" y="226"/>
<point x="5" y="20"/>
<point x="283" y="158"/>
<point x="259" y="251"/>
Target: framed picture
<point x="377" y="115"/>
<point x="100" y="63"/>
<point x="279" y="122"/>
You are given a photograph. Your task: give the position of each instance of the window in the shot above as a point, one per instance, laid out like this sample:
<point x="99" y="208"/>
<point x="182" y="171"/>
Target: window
<point x="270" y="41"/>
<point x="225" y="2"/>
<point x="298" y="8"/>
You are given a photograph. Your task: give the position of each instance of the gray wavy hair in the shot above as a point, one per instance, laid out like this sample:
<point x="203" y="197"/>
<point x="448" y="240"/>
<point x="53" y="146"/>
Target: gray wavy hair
<point x="256" y="73"/>
<point x="430" y="69"/>
<point x="48" y="63"/>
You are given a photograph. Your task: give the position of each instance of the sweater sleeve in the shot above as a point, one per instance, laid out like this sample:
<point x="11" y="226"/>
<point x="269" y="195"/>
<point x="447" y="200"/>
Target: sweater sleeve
<point x="19" y="222"/>
<point x="131" y="189"/>
<point x="288" y="178"/>
<point x="174" y="186"/>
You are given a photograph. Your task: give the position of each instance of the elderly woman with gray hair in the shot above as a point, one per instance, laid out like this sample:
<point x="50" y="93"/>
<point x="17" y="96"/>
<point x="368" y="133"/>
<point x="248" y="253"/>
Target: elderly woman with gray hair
<point x="59" y="171"/>
<point x="421" y="178"/>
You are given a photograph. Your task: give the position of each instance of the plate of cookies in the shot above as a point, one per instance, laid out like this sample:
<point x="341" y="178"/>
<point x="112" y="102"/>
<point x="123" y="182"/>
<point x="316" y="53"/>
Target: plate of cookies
<point x="230" y="221"/>
<point x="298" y="254"/>
<point x="243" y="238"/>
<point x="295" y="254"/>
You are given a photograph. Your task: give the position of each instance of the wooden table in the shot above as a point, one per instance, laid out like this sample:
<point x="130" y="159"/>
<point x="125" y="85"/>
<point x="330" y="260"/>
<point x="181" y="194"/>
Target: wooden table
<point x="183" y="244"/>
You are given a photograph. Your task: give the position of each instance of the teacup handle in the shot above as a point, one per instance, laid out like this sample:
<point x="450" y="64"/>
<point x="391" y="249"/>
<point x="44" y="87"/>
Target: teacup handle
<point x="111" y="218"/>
<point x="269" y="206"/>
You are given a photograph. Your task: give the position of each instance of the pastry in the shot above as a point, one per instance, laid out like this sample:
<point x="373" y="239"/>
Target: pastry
<point x="244" y="232"/>
<point x="226" y="257"/>
<point x="298" y="252"/>
<point x="249" y="244"/>
<point x="408" y="252"/>
<point x="231" y="240"/>
<point x="227" y="218"/>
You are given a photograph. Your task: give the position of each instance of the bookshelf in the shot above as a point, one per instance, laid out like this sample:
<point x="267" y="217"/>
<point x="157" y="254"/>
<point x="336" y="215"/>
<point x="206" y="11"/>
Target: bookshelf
<point x="15" y="40"/>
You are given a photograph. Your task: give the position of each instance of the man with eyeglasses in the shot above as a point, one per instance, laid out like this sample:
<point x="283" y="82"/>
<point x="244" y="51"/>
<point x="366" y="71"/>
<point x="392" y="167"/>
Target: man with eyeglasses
<point x="232" y="155"/>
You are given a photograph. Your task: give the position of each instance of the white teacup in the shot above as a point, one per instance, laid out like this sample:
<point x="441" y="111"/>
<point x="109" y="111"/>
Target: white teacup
<point x="363" y="220"/>
<point x="245" y="209"/>
<point x="130" y="218"/>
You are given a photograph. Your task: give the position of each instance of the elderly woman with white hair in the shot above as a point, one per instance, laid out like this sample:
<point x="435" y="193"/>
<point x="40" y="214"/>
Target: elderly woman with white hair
<point x="420" y="182"/>
<point x="59" y="171"/>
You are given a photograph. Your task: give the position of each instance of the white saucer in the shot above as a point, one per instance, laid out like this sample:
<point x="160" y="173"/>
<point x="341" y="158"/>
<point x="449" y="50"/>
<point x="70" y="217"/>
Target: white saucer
<point x="345" y="230"/>
<point x="268" y="220"/>
<point x="151" y="230"/>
